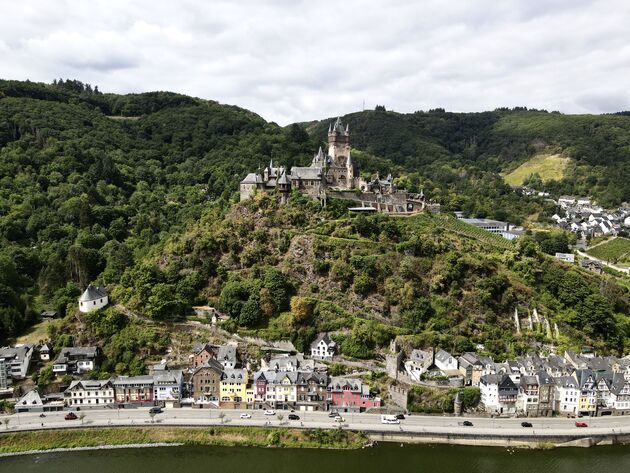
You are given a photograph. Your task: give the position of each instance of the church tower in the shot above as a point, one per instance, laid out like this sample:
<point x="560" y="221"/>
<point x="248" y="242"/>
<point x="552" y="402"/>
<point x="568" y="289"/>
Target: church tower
<point x="339" y="143"/>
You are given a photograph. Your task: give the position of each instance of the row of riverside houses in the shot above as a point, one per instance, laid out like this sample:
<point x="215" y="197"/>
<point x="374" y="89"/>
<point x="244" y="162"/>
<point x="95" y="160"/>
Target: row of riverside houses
<point x="215" y="378"/>
<point x="534" y="385"/>
<point x="283" y="381"/>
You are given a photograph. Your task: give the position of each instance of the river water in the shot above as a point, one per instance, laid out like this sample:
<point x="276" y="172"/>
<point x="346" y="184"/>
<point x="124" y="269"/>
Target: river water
<point x="384" y="458"/>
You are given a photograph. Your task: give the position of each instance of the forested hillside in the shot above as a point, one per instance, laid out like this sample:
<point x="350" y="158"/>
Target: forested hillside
<point x="458" y="156"/>
<point x="291" y="271"/>
<point x="110" y="188"/>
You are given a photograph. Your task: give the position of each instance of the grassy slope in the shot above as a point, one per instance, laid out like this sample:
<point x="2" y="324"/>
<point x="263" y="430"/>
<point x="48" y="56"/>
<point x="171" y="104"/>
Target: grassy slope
<point x="547" y="166"/>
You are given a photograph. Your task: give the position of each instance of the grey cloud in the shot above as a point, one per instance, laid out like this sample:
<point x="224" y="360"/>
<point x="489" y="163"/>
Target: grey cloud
<point x="297" y="61"/>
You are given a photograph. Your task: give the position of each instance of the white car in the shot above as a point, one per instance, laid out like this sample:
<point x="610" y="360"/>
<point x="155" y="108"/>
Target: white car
<point x="339" y="419"/>
<point x="269" y="412"/>
<point x="245" y="415"/>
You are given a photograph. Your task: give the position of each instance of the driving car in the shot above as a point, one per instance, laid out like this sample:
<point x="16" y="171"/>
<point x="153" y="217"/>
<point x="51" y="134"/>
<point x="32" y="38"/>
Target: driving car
<point x="581" y="424"/>
<point x="270" y="412"/>
<point x="338" y="418"/>
<point x="526" y="424"/>
<point x="245" y="415"/>
<point x="400" y="416"/>
<point x="294" y="417"/>
<point x="333" y="414"/>
<point x="155" y="410"/>
<point x="70" y="416"/>
<point x="467" y="423"/>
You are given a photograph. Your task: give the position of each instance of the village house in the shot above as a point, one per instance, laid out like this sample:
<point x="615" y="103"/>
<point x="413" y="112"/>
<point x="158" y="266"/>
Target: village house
<point x="235" y="389"/>
<point x="206" y="382"/>
<point x="546" y="394"/>
<point x="90" y="393"/>
<point x="202" y="352"/>
<point x="567" y="395"/>
<point x="75" y="360"/>
<point x="350" y="395"/>
<point x="134" y="390"/>
<point x="527" y="398"/>
<point x="471" y="367"/>
<point x="444" y="361"/>
<point x="312" y="391"/>
<point x="93" y="298"/>
<point x="620" y="395"/>
<point x="418" y="363"/>
<point x="167" y="387"/>
<point x="226" y="355"/>
<point x="587" y="402"/>
<point x="323" y="347"/>
<point x="32" y="401"/>
<point x="17" y="360"/>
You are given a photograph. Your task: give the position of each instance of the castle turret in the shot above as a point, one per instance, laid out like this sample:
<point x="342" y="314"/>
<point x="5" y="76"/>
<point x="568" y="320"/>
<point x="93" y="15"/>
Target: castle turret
<point x="284" y="185"/>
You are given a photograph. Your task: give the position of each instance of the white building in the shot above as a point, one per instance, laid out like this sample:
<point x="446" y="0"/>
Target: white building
<point x="75" y="360"/>
<point x="17" y="360"/>
<point x="94" y="298"/>
<point x="444" y="361"/>
<point x="418" y="363"/>
<point x="167" y="386"/>
<point x="323" y="347"/>
<point x="567" y="395"/>
<point x="90" y="393"/>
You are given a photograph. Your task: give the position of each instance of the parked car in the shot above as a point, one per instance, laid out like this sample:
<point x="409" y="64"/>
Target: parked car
<point x="581" y="424"/>
<point x="400" y="416"/>
<point x="70" y="416"/>
<point x="294" y="417"/>
<point x="270" y="412"/>
<point x="338" y="418"/>
<point x="333" y="414"/>
<point x="155" y="410"/>
<point x="42" y="415"/>
<point x="467" y="423"/>
<point x="245" y="415"/>
<point x="526" y="424"/>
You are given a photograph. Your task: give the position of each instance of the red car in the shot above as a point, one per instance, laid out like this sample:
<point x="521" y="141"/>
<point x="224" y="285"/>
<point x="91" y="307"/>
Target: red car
<point x="581" y="424"/>
<point x="71" y="416"/>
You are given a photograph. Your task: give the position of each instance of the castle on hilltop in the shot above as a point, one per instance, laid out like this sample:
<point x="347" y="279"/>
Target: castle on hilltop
<point x="333" y="174"/>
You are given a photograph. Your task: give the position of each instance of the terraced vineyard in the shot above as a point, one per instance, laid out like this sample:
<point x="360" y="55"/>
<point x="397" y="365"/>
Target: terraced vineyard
<point x="462" y="228"/>
<point x="615" y="251"/>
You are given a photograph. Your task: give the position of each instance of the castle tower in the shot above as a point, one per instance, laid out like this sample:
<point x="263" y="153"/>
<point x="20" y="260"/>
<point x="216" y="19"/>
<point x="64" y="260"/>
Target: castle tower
<point x="339" y="143"/>
<point x="284" y="186"/>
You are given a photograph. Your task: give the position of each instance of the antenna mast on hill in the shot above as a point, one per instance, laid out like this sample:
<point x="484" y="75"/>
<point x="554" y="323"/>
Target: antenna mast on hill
<point x="364" y="105"/>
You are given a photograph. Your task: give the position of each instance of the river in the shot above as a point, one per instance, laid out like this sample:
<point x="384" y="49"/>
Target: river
<point x="384" y="458"/>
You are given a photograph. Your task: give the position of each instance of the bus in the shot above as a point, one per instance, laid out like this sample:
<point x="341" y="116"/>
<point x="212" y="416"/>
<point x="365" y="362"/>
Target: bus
<point x="389" y="419"/>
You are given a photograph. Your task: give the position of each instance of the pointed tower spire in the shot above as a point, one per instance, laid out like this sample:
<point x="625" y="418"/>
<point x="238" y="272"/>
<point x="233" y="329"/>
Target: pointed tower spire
<point x="347" y="128"/>
<point x="330" y="128"/>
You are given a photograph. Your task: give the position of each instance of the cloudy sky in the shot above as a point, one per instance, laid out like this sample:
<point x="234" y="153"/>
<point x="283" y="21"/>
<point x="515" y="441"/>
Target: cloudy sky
<point x="302" y="60"/>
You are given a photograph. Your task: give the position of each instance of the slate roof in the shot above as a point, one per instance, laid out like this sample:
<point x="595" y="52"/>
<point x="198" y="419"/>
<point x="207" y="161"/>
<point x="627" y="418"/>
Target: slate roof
<point x="93" y="293"/>
<point x="325" y="337"/>
<point x="31" y="398"/>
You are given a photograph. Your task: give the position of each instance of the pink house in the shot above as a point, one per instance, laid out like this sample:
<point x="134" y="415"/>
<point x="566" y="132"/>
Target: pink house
<point x="350" y="395"/>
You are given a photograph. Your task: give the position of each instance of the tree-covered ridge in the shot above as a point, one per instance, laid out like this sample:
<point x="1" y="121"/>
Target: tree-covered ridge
<point x="291" y="271"/>
<point x="83" y="194"/>
<point x="93" y="186"/>
<point x="457" y="156"/>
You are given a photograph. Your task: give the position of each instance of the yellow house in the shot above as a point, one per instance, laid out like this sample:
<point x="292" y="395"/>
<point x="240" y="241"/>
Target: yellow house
<point x="235" y="389"/>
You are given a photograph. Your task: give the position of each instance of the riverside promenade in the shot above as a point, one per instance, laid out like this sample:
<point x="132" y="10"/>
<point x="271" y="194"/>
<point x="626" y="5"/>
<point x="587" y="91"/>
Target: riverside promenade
<point x="413" y="429"/>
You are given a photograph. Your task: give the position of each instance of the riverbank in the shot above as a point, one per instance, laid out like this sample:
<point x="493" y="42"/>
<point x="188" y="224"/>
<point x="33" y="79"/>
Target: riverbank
<point x="16" y="442"/>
